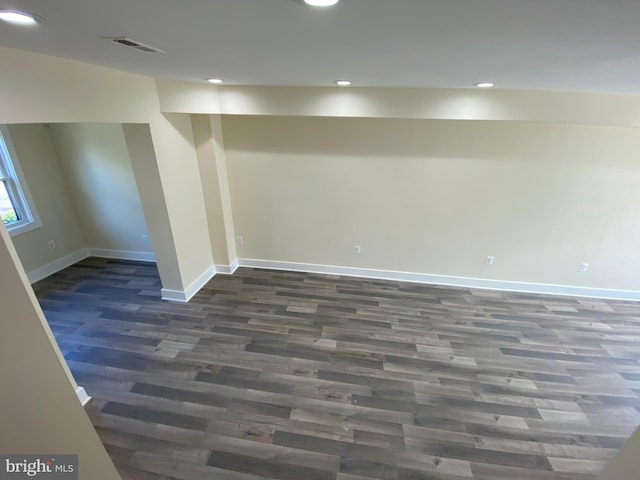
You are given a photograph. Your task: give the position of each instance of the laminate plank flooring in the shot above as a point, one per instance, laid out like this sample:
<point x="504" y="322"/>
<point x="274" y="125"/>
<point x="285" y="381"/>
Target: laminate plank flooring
<point x="284" y="375"/>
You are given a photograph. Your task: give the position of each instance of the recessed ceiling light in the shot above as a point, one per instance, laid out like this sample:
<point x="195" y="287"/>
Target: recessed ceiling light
<point x="214" y="80"/>
<point x="17" y="17"/>
<point x="343" y="83"/>
<point x="483" y="84"/>
<point x="321" y="3"/>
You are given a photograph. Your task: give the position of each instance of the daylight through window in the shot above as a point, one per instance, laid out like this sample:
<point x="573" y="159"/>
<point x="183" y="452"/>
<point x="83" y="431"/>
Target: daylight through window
<point x="16" y="207"/>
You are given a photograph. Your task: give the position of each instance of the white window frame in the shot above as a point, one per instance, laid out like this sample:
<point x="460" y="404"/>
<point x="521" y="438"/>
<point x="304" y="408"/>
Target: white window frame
<point x="11" y="173"/>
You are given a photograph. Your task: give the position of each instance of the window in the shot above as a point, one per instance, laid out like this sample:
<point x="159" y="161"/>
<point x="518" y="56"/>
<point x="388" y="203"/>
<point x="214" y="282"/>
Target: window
<point x="16" y="206"/>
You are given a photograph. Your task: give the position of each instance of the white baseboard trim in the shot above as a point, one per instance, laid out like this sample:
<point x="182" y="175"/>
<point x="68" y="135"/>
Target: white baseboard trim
<point x="196" y="285"/>
<point x="173" y="295"/>
<point x="227" y="269"/>
<point x="234" y="265"/>
<point x="223" y="269"/>
<point x="82" y="396"/>
<point x="123" y="254"/>
<point x="60" y="264"/>
<point x="57" y="265"/>
<point x="480" y="283"/>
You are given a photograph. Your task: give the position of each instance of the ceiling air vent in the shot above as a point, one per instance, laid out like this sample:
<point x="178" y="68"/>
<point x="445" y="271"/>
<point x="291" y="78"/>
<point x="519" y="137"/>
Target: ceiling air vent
<point x="127" y="42"/>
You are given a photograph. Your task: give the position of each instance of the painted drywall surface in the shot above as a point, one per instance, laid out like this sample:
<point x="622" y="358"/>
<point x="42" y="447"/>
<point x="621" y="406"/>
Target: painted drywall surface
<point x="41" y="89"/>
<point x="60" y="222"/>
<point x="40" y="412"/>
<point x="223" y="179"/>
<point x="626" y="464"/>
<point x="145" y="169"/>
<point x="187" y="97"/>
<point x="433" y="103"/>
<point x="38" y="88"/>
<point x="203" y="139"/>
<point x="175" y="151"/>
<point x="417" y="103"/>
<point x="98" y="171"/>
<point x="438" y="196"/>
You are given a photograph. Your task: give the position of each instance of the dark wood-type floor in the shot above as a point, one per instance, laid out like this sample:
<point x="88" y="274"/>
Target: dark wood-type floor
<point x="293" y="376"/>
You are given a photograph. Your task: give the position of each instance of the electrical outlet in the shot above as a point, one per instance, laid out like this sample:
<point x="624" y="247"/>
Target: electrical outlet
<point x="583" y="267"/>
<point x="356" y="250"/>
<point x="240" y="240"/>
<point x="52" y="245"/>
<point x="145" y="238"/>
<point x="489" y="260"/>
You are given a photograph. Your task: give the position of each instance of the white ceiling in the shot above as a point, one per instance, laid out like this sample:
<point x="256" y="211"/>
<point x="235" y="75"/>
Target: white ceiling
<point x="591" y="45"/>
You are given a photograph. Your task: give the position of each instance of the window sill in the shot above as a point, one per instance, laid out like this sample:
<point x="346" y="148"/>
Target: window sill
<point x="16" y="230"/>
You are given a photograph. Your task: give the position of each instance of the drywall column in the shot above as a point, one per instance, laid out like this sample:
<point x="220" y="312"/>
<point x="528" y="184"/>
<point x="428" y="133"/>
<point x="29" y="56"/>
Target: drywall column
<point x="179" y="172"/>
<point x="211" y="158"/>
<point x="210" y="189"/>
<point x="145" y="170"/>
<point x="223" y="181"/>
<point x="40" y="411"/>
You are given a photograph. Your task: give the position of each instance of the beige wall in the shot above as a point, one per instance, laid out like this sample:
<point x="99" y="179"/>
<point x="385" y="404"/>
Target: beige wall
<point x="203" y="139"/>
<point x="220" y="155"/>
<point x="39" y="89"/>
<point x="207" y="132"/>
<point x="40" y="413"/>
<point x="438" y="196"/>
<point x="417" y="103"/>
<point x="145" y="168"/>
<point x="177" y="160"/>
<point x="60" y="222"/>
<point x="97" y="166"/>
